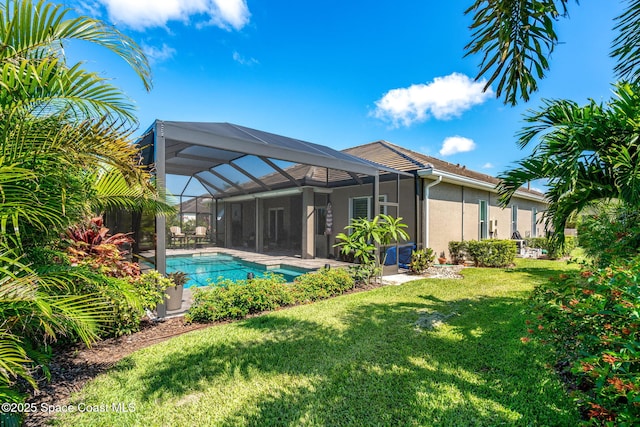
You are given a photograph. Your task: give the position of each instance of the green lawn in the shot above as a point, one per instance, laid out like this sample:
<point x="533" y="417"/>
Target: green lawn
<point x="358" y="360"/>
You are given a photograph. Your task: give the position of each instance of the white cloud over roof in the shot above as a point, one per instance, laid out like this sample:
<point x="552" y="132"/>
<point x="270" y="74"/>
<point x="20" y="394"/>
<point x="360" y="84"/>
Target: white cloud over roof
<point x="143" y="14"/>
<point x="456" y="144"/>
<point x="443" y="98"/>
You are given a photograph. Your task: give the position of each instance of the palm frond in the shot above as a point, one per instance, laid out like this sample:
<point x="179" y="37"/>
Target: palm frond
<point x="625" y="46"/>
<point x="515" y="38"/>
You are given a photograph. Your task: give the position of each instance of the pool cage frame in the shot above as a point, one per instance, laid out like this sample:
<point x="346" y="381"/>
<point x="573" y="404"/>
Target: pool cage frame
<point x="298" y="170"/>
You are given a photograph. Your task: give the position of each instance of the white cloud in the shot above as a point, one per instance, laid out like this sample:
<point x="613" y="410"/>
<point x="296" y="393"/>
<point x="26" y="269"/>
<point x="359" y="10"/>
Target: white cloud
<point x="156" y="55"/>
<point x="444" y="98"/>
<point x="537" y="189"/>
<point x="143" y="14"/>
<point x="244" y="61"/>
<point x="488" y="166"/>
<point x="456" y="144"/>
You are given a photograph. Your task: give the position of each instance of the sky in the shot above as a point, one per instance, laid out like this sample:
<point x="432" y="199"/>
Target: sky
<point x="343" y="73"/>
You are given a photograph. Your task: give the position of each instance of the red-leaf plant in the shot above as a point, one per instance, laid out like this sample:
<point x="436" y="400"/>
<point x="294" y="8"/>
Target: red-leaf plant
<point x="91" y="245"/>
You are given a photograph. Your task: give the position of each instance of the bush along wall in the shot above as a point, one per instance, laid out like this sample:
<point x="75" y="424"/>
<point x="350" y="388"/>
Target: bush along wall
<point x="227" y="299"/>
<point x="484" y="253"/>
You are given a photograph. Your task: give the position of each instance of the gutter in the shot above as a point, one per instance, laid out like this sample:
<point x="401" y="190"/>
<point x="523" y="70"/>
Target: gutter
<point x="426" y="204"/>
<point x="475" y="183"/>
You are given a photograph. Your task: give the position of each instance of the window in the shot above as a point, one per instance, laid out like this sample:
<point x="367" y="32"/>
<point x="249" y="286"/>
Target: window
<point x="514" y="219"/>
<point x="484" y="224"/>
<point x="534" y="222"/>
<point x="361" y="207"/>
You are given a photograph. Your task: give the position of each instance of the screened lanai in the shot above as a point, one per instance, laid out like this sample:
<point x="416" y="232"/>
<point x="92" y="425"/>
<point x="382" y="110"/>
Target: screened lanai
<point x="262" y="191"/>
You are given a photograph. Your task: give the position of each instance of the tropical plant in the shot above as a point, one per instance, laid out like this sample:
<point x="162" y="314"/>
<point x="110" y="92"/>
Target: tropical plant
<point x="591" y="320"/>
<point x="62" y="130"/>
<point x="586" y="153"/>
<point x="516" y="39"/>
<point x="178" y="278"/>
<point x="609" y="232"/>
<point x="90" y="244"/>
<point x="35" y="310"/>
<point x="363" y="236"/>
<point x="421" y="260"/>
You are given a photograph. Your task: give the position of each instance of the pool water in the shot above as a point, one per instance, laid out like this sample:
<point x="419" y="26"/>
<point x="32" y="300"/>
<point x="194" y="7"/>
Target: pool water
<point x="203" y="267"/>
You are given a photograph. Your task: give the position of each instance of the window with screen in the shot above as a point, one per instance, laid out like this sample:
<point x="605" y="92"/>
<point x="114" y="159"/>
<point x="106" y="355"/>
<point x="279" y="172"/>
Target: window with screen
<point x="484" y="223"/>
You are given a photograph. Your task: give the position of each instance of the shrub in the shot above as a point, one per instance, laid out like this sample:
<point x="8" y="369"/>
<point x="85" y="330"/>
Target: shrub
<point x="421" y="260"/>
<point x="554" y="251"/>
<point x="591" y="319"/>
<point x="610" y="234"/>
<point x="150" y="288"/>
<point x="322" y="284"/>
<point x="235" y="300"/>
<point x="127" y="299"/>
<point x="458" y="251"/>
<point x="492" y="253"/>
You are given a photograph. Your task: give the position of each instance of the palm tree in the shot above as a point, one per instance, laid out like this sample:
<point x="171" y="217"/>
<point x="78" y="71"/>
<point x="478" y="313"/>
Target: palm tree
<point x="64" y="145"/>
<point x="516" y="38"/>
<point x="587" y="153"/>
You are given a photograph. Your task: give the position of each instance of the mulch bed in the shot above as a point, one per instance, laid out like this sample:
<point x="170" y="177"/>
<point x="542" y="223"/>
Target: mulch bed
<point x="72" y="367"/>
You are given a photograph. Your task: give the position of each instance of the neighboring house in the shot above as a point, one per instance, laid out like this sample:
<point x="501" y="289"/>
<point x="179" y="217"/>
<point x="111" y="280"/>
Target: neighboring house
<point x="273" y="193"/>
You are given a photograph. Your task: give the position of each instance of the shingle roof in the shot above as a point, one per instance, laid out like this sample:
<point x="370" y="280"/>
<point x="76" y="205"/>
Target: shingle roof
<point x="406" y="160"/>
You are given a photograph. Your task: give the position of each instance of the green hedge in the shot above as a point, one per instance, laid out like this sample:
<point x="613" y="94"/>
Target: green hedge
<point x="485" y="253"/>
<point x="553" y="250"/>
<point x="323" y="284"/>
<point x="235" y="300"/>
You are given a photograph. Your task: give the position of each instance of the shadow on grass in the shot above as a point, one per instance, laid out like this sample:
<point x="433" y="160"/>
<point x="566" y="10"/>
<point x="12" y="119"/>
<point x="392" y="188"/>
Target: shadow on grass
<point x="374" y="367"/>
<point x="541" y="270"/>
<point x="378" y="369"/>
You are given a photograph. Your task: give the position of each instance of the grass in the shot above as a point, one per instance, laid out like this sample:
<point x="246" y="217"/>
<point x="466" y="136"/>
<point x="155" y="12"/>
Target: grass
<point x="358" y="359"/>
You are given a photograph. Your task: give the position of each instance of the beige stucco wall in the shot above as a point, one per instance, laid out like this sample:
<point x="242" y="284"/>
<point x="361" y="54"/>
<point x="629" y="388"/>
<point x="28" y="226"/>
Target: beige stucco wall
<point x="454" y="214"/>
<point x="340" y="199"/>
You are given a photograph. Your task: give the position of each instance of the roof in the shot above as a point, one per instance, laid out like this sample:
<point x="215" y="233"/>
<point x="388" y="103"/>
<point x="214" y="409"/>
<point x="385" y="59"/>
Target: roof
<point x="229" y="159"/>
<point x="406" y="160"/>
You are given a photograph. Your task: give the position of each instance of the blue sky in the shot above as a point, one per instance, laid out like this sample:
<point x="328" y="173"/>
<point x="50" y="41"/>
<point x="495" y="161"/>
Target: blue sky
<point x="343" y="73"/>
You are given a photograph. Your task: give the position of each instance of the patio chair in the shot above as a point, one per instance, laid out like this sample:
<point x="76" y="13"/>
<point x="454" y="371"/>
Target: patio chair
<point x="177" y="235"/>
<point x="200" y="235"/>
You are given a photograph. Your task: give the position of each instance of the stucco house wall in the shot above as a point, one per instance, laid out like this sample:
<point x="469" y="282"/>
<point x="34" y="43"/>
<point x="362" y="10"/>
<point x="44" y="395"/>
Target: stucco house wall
<point x="341" y="198"/>
<point x="454" y="214"/>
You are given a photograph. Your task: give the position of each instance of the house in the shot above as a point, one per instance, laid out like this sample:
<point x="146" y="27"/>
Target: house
<point x="272" y="193"/>
<point x="451" y="201"/>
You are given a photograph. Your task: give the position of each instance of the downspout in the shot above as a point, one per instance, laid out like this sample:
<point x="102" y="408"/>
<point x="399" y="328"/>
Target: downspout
<point x="426" y="209"/>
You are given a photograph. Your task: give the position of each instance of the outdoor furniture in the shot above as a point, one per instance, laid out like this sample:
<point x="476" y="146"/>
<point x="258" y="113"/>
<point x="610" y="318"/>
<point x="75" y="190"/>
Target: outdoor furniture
<point x="200" y="235"/>
<point x="176" y="235"/>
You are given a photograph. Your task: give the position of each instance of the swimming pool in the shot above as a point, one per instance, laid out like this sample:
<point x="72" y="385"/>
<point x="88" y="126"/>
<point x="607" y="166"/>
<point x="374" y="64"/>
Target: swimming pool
<point x="213" y="266"/>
